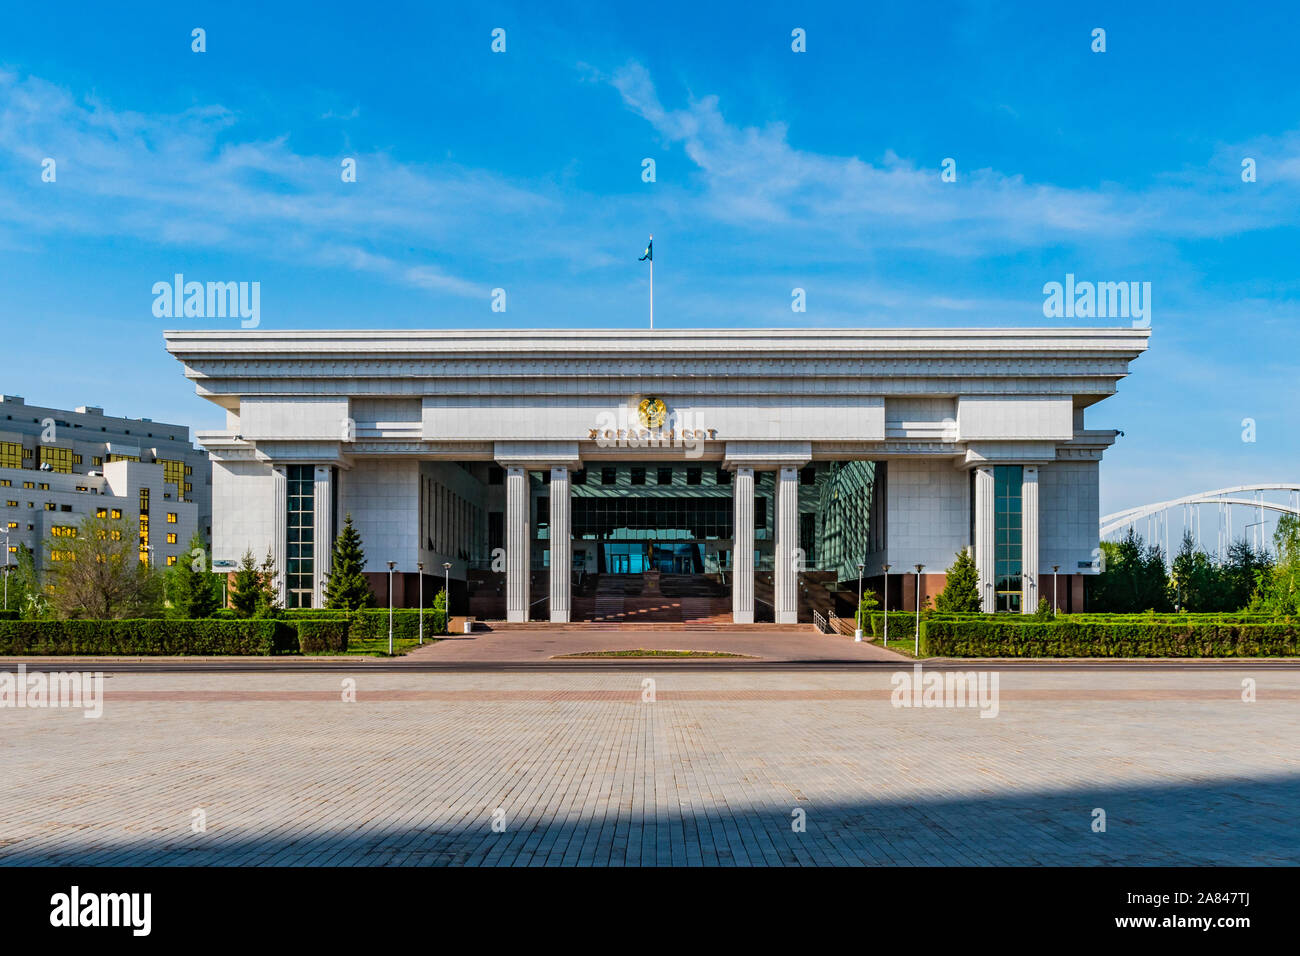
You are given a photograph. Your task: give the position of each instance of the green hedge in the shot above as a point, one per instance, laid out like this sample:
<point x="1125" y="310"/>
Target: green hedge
<point x="901" y="624"/>
<point x="322" y="636"/>
<point x="9" y="615"/>
<point x="147" y="637"/>
<point x="995" y="636"/>
<point x="372" y="624"/>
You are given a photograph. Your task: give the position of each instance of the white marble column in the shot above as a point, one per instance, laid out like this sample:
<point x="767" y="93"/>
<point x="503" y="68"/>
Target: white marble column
<point x="561" y="545"/>
<point x="322" y="532"/>
<point x="1029" y="539"/>
<point x="787" y="563"/>
<point x="517" y="541"/>
<point x="983" y="505"/>
<point x="279" y="529"/>
<point x="742" y="549"/>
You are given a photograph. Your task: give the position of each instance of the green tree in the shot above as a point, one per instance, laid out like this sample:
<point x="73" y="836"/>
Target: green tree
<point x="961" y="591"/>
<point x="26" y="595"/>
<point x="1133" y="578"/>
<point x="440" y="606"/>
<point x="95" y="571"/>
<point x="193" y="591"/>
<point x="1278" y="587"/>
<point x="868" y="604"/>
<point x="268" y="596"/>
<point x="247" y="586"/>
<point x="1241" y="572"/>
<point x="347" y="588"/>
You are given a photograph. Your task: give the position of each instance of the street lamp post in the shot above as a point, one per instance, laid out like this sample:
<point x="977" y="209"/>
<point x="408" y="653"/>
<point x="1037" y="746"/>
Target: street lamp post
<point x="446" y="601"/>
<point x="419" y="566"/>
<point x="919" y="567"/>
<point x="857" y="632"/>
<point x="1055" y="568"/>
<point x="886" y="642"/>
<point x="391" y="565"/>
<point x="6" y="568"/>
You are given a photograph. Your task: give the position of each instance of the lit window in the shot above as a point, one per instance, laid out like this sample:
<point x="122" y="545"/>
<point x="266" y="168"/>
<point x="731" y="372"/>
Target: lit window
<point x="11" y="454"/>
<point x="49" y="506"/>
<point x="11" y="504"/>
<point x="171" y="538"/>
<point x="171" y="559"/>
<point x="96" y="460"/>
<point x="59" y="459"/>
<point x="171" y="517"/>
<point x="117" y="513"/>
<point x="29" y="484"/>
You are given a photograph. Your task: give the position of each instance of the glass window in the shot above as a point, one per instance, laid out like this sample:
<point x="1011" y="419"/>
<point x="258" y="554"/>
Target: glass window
<point x="11" y="454"/>
<point x="59" y="459"/>
<point x="665" y="476"/>
<point x="1007" y="529"/>
<point x="638" y="476"/>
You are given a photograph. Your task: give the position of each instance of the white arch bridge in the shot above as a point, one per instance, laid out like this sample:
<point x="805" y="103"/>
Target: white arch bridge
<point x="1243" y="511"/>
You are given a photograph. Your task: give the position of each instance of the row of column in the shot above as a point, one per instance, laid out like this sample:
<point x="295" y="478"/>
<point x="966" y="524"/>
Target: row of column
<point x="787" y="563"/>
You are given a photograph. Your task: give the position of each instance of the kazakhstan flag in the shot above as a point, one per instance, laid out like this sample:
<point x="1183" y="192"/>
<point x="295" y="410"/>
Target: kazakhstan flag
<point x="649" y="251"/>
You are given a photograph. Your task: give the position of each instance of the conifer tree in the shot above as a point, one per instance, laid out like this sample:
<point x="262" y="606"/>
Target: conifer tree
<point x="961" y="592"/>
<point x="346" y="587"/>
<point x="247" y="586"/>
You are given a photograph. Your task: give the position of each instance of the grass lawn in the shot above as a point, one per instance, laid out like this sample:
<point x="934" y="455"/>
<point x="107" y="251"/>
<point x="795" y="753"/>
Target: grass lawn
<point x="378" y="647"/>
<point x="904" y="646"/>
<point x="642" y="652"/>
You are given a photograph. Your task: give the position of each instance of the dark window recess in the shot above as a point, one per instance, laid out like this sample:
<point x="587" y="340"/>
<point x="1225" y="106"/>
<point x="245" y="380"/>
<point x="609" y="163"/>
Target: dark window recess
<point x="808" y="538"/>
<point x="579" y="477"/>
<point x="608" y="475"/>
<point x="496" y="530"/>
<point x="694" y="476"/>
<point x="543" y="512"/>
<point x="723" y="477"/>
<point x="808" y="476"/>
<point x="665" y="476"/>
<point x="638" y="476"/>
<point x="760" y="513"/>
<point x="496" y="475"/>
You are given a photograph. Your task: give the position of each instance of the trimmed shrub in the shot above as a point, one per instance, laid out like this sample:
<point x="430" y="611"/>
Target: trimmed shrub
<point x="369" y="625"/>
<point x="9" y="615"/>
<point x="1132" y="636"/>
<point x="322" y="635"/>
<point x="901" y="624"/>
<point x="147" y="637"/>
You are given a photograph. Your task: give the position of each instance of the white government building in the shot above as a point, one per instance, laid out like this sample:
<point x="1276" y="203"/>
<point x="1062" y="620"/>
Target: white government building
<point x="667" y="474"/>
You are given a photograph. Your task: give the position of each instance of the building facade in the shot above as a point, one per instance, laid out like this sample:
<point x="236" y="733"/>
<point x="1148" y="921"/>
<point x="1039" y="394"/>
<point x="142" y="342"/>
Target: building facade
<point x="768" y="464"/>
<point x="58" y="467"/>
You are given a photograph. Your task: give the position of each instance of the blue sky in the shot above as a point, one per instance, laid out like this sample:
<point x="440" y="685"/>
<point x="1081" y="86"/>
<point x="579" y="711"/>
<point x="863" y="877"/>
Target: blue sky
<point x="775" y="170"/>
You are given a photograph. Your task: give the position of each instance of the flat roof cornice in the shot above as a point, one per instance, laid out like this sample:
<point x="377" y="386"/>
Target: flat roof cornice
<point x="410" y="342"/>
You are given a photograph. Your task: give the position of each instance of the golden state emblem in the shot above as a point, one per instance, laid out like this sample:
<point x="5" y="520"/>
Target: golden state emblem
<point x="652" y="412"/>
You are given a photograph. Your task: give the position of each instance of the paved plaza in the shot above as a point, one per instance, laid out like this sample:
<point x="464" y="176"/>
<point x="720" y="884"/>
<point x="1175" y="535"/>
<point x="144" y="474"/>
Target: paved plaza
<point x="724" y="766"/>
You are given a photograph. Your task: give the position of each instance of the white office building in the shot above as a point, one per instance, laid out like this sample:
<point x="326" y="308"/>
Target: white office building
<point x="59" y="466"/>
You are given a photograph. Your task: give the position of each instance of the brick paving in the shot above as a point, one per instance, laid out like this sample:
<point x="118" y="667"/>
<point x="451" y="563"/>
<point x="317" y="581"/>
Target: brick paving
<point x="544" y="643"/>
<point x="586" y="773"/>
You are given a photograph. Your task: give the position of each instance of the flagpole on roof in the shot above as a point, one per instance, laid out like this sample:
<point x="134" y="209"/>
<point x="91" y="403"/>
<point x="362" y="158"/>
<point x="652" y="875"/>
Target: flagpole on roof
<point x="652" y="282"/>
